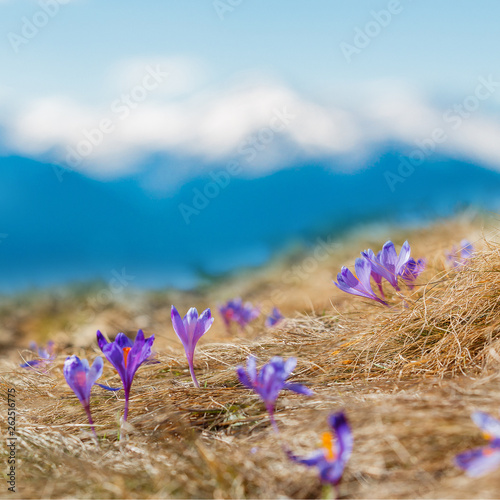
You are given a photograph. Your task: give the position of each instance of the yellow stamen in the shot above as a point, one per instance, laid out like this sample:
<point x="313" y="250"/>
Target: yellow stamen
<point x="328" y="441"/>
<point x="126" y="350"/>
<point x="487" y="436"/>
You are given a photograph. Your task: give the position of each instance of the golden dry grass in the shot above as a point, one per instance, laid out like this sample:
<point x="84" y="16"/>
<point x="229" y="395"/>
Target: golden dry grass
<point x="408" y="377"/>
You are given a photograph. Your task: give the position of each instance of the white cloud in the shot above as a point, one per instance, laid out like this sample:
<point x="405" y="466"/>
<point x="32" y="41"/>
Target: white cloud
<point x="174" y="115"/>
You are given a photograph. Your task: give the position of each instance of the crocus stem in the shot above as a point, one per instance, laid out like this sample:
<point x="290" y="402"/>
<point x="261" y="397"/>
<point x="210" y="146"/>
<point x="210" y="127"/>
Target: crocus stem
<point x="270" y="411"/>
<point x="193" y="376"/>
<point x="91" y="422"/>
<point x="125" y="413"/>
<point x="330" y="492"/>
<point x="381" y="290"/>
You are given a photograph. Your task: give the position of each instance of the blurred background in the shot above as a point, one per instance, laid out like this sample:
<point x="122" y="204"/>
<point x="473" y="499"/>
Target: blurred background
<point x="163" y="143"/>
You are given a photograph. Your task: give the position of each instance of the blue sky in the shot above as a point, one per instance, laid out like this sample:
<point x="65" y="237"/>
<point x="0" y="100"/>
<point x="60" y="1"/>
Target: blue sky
<point x="230" y="64"/>
<point x="294" y="40"/>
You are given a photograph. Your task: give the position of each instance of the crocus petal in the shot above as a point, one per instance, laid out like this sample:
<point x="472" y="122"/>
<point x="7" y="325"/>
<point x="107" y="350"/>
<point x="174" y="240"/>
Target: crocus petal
<point x="252" y="368"/>
<point x="288" y="366"/>
<point x="138" y="355"/>
<point x="122" y="341"/>
<point x="114" y="355"/>
<point x="363" y="271"/>
<point x="243" y="377"/>
<point x="487" y="423"/>
<point x="348" y="277"/>
<point x="479" y="461"/>
<point x="345" y="287"/>
<point x="33" y="363"/>
<point x="404" y="255"/>
<point x="370" y="256"/>
<point x="331" y="472"/>
<point x="107" y="387"/>
<point x="299" y="389"/>
<point x="342" y="431"/>
<point x="190" y="322"/>
<point x="94" y="372"/>
<point x="178" y="325"/>
<point x="203" y="325"/>
<point x="313" y="460"/>
<point x="389" y="254"/>
<point x="101" y="341"/>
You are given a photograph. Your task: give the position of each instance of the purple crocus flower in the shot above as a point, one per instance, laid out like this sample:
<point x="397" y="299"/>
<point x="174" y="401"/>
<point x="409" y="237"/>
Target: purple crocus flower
<point x="466" y="250"/>
<point x="479" y="461"/>
<point x="270" y="380"/>
<point x="239" y="312"/>
<point x="126" y="357"/>
<point x="388" y="263"/>
<point x="274" y="318"/>
<point x="189" y="330"/>
<point x="358" y="284"/>
<point x="460" y="257"/>
<point x="81" y="377"/>
<point x="331" y="459"/>
<point x="412" y="271"/>
<point x="46" y="355"/>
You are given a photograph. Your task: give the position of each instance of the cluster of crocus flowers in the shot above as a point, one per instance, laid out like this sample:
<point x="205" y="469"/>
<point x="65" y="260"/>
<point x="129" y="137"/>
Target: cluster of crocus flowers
<point x="274" y="318"/>
<point x="189" y="330"/>
<point x="482" y="460"/>
<point x="336" y="449"/>
<point x="126" y="357"/>
<point x="45" y="355"/>
<point x="270" y="381"/>
<point x="81" y="377"/>
<point x="386" y="264"/>
<point x="236" y="311"/>
<point x="459" y="257"/>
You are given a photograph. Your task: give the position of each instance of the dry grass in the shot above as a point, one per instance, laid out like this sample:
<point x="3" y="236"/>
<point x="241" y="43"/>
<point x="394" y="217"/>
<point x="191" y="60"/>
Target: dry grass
<point x="408" y="377"/>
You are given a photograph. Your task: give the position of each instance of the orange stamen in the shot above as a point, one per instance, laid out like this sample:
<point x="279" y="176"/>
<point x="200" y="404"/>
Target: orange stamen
<point x="126" y="350"/>
<point x="328" y="441"/>
<point x="487" y="451"/>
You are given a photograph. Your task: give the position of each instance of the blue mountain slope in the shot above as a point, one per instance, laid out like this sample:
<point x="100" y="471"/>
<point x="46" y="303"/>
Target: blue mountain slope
<point x="81" y="229"/>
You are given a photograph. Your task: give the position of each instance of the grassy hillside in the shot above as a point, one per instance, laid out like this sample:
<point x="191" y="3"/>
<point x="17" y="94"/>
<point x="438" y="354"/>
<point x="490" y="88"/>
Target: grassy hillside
<point x="407" y="376"/>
